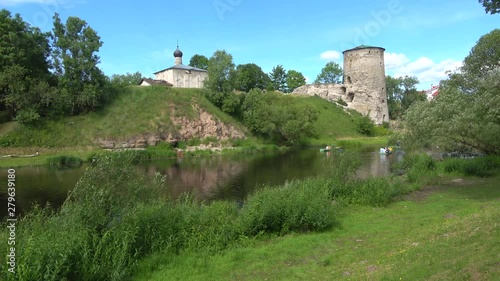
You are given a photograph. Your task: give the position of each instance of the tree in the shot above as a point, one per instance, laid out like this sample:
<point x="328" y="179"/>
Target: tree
<point x="278" y="78"/>
<point x="81" y="82"/>
<point x="278" y="117"/>
<point x="294" y="79"/>
<point x="220" y="72"/>
<point x="24" y="70"/>
<point x="491" y="6"/>
<point x="330" y="74"/>
<point x="249" y="76"/>
<point x="401" y="94"/>
<point x="465" y="113"/>
<point x="199" y="61"/>
<point x="485" y="55"/>
<point x="126" y="79"/>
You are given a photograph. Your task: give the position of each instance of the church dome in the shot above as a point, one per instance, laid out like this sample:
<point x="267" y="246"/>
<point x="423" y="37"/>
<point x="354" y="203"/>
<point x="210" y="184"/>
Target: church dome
<point x="177" y="53"/>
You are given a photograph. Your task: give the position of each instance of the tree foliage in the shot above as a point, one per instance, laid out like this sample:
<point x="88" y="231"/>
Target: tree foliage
<point x="24" y="69"/>
<point x="278" y="117"/>
<point x="220" y="72"/>
<point x="126" y="79"/>
<point x="250" y="76"/>
<point x="199" y="61"/>
<point x="330" y="74"/>
<point x="278" y="78"/>
<point x="465" y="114"/>
<point x="491" y="6"/>
<point x="81" y="82"/>
<point x="294" y="79"/>
<point x="401" y="95"/>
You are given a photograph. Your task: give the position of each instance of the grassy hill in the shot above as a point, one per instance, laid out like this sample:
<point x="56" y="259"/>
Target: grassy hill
<point x="147" y="110"/>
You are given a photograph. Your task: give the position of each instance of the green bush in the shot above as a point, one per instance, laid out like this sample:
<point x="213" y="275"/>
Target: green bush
<point x="367" y="192"/>
<point x="364" y="125"/>
<point x="296" y="206"/>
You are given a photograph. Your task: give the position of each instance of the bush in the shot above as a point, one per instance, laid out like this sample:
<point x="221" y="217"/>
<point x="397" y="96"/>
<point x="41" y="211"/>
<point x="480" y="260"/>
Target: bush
<point x="296" y="206"/>
<point x="364" y="125"/>
<point x="366" y="192"/>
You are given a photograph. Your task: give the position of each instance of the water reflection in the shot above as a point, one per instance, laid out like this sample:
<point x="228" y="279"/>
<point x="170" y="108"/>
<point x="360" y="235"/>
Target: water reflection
<point x="207" y="178"/>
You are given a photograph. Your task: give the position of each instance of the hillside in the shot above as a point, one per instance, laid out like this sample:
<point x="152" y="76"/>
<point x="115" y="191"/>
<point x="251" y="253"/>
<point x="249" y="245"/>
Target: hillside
<point x="138" y="116"/>
<point x="143" y="116"/>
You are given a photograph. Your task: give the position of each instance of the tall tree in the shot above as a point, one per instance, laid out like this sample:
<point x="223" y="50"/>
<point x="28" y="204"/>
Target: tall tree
<point x="81" y="82"/>
<point x="330" y="74"/>
<point x="220" y="72"/>
<point x="294" y="79"/>
<point x="278" y="78"/>
<point x="24" y="70"/>
<point x="401" y="94"/>
<point x="199" y="61"/>
<point x="491" y="6"/>
<point x="465" y="113"/>
<point x="249" y="76"/>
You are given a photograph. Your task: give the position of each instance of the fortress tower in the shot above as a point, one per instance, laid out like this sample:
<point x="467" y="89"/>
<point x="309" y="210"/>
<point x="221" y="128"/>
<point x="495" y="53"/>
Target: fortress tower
<point x="364" y="81"/>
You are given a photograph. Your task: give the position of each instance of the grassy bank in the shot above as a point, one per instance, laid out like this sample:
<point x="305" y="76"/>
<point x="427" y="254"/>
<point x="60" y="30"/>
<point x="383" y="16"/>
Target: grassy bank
<point x="116" y="222"/>
<point x="446" y="232"/>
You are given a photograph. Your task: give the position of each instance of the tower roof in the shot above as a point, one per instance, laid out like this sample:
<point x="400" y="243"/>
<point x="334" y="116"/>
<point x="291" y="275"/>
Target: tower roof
<point x="177" y="53"/>
<point x="363" y="47"/>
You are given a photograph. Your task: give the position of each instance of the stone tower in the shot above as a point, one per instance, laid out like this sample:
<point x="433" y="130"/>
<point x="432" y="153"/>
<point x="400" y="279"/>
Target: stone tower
<point x="364" y="81"/>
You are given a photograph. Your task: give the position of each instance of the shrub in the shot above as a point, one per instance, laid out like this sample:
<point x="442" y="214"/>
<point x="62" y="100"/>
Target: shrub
<point x="296" y="206"/>
<point x="364" y="125"/>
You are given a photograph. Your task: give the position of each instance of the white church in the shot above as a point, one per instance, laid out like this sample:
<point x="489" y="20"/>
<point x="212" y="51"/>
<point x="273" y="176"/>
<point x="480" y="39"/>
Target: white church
<point x="178" y="75"/>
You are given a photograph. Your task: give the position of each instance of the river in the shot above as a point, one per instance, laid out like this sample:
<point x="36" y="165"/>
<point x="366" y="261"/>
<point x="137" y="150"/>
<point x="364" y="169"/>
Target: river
<point x="229" y="177"/>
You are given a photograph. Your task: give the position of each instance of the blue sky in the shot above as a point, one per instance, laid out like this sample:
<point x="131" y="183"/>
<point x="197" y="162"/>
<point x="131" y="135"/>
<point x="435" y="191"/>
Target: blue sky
<point x="422" y="38"/>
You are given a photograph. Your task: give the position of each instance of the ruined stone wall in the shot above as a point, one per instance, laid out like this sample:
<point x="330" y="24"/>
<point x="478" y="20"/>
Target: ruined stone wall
<point x="364" y="87"/>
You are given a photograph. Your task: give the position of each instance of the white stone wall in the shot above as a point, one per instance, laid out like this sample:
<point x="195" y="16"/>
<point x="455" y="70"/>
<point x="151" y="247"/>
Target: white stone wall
<point x="183" y="79"/>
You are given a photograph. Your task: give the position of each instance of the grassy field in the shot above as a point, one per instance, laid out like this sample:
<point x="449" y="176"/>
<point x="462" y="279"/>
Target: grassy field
<point x="332" y="123"/>
<point x="146" y="110"/>
<point x="445" y="232"/>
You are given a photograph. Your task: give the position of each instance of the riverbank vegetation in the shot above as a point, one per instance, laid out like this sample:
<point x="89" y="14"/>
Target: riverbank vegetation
<point x="117" y="221"/>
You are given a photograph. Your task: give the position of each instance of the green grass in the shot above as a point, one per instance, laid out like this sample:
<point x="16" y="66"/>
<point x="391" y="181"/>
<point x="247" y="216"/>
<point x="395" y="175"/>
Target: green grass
<point x="135" y="112"/>
<point x="333" y="122"/>
<point x="445" y="233"/>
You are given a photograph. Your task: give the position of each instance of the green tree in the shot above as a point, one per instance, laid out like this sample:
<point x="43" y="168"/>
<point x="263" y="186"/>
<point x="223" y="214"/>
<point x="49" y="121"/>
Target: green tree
<point x="280" y="118"/>
<point x="81" y="82"/>
<point x="249" y="76"/>
<point x="465" y="113"/>
<point x="220" y="72"/>
<point x="485" y="55"/>
<point x="491" y="6"/>
<point x="330" y="74"/>
<point x="278" y="78"/>
<point x="126" y="79"/>
<point x="24" y="70"/>
<point x="199" y="61"/>
<point x="294" y="79"/>
<point x="401" y="94"/>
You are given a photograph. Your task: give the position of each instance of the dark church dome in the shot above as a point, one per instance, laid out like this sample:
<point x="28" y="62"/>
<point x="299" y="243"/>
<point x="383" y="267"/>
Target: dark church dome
<point x="177" y="53"/>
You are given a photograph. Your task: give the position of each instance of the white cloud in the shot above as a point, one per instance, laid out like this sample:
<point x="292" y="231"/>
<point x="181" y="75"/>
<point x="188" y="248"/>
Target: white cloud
<point x="393" y="60"/>
<point x="330" y="55"/>
<point x="426" y="70"/>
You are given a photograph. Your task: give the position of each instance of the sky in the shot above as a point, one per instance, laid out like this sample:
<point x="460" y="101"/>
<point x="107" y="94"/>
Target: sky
<point x="422" y="38"/>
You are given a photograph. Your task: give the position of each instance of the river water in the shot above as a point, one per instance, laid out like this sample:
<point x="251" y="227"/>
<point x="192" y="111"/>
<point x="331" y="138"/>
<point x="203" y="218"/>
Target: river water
<point x="230" y="177"/>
